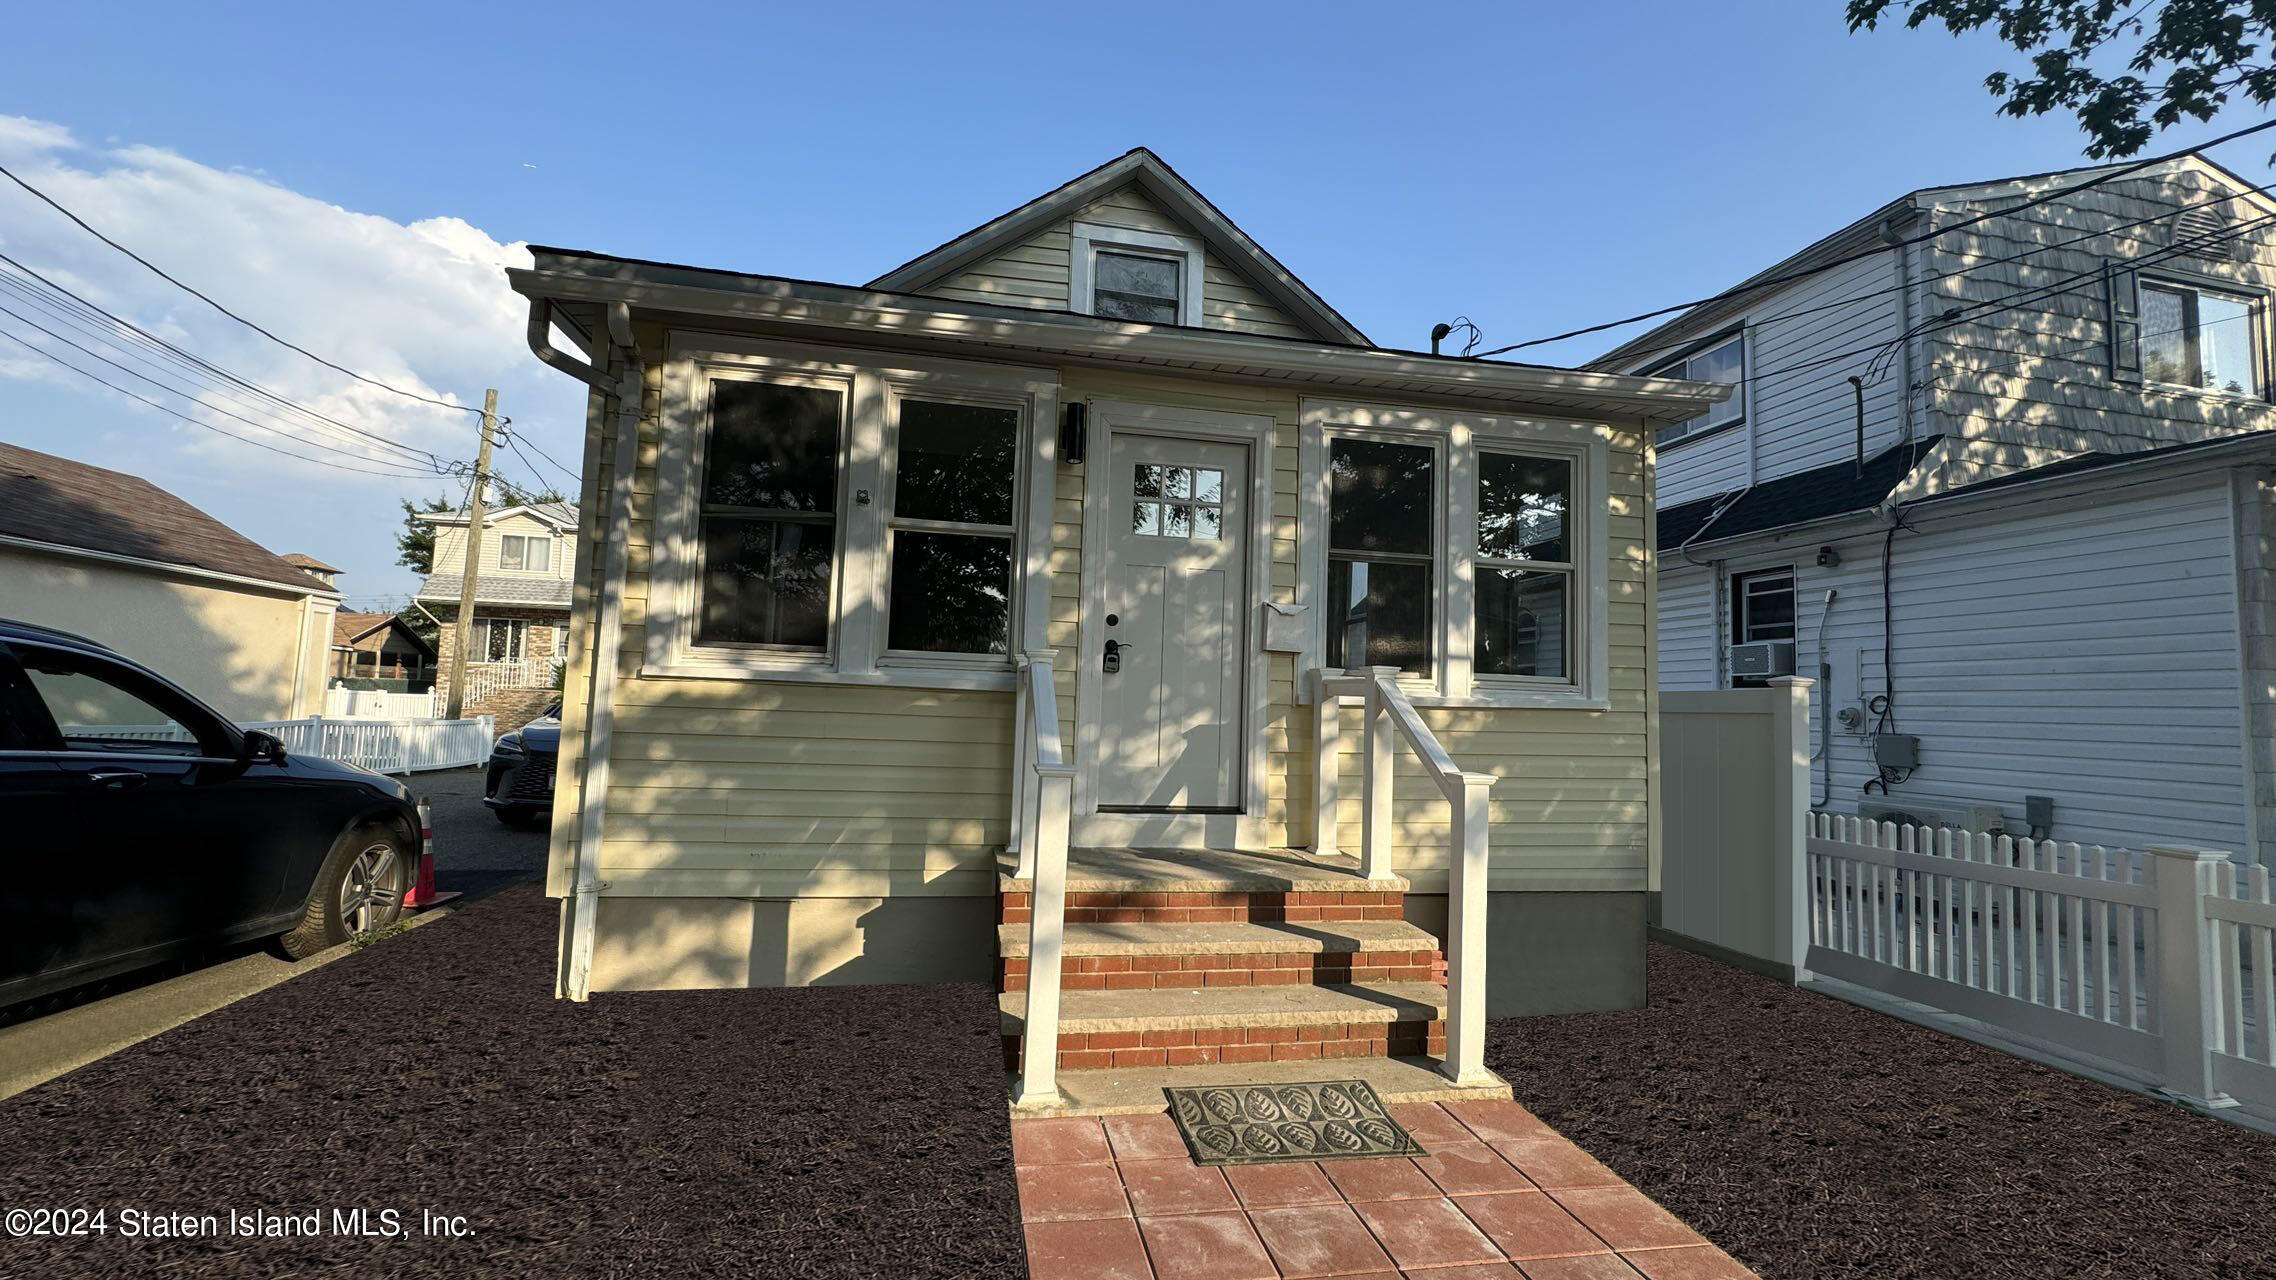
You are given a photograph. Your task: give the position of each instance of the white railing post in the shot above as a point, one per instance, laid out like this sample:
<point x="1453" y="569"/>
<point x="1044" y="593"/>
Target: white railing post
<point x="1327" y="762"/>
<point x="1376" y="786"/>
<point x="1468" y="867"/>
<point x="1015" y="842"/>
<point x="2189" y="981"/>
<point x="1039" y="1030"/>
<point x="1789" y="808"/>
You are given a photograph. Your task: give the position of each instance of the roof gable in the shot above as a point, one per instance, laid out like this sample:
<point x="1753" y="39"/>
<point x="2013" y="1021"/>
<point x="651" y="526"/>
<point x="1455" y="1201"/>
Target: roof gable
<point x="52" y="500"/>
<point x="1155" y="187"/>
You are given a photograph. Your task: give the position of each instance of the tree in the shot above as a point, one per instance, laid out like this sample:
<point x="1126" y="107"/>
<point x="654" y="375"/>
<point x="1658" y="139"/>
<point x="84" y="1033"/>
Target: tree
<point x="2182" y="58"/>
<point x="415" y="545"/>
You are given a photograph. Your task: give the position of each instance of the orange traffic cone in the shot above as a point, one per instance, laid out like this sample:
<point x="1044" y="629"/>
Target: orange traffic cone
<point x="423" y="895"/>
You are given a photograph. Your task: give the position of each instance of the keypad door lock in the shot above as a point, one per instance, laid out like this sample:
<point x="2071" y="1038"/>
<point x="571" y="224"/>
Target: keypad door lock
<point x="1113" y="659"/>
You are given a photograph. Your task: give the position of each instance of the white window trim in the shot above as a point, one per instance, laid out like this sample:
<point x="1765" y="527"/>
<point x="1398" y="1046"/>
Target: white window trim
<point x="528" y="540"/>
<point x="2176" y="281"/>
<point x="1459" y="436"/>
<point x="1744" y="337"/>
<point x="1090" y="237"/>
<point x="871" y="382"/>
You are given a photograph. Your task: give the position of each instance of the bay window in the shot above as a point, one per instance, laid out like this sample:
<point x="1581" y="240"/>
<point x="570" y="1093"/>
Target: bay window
<point x="823" y="518"/>
<point x="1468" y="551"/>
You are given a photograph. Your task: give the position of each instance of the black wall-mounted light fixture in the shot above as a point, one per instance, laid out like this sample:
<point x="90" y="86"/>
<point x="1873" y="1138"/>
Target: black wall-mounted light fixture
<point x="1074" y="434"/>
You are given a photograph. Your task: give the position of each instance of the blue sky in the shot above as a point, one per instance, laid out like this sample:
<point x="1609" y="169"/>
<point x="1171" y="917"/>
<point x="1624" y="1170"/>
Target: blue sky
<point x="1535" y="167"/>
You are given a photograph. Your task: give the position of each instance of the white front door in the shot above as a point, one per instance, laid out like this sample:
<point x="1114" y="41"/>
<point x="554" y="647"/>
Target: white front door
<point x="1172" y="704"/>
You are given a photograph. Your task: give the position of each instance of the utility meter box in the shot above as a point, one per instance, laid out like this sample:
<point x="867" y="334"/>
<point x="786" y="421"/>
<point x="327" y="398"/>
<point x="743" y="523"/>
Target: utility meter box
<point x="1896" y="750"/>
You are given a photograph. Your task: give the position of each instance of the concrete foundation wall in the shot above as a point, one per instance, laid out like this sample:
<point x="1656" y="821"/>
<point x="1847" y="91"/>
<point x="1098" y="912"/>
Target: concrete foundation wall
<point x="648" y="944"/>
<point x="1554" y="952"/>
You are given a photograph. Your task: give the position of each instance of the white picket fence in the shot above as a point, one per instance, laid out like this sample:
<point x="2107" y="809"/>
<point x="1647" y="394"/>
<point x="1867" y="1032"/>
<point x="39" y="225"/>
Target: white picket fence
<point x="2157" y="962"/>
<point x="379" y="704"/>
<point x="384" y="746"/>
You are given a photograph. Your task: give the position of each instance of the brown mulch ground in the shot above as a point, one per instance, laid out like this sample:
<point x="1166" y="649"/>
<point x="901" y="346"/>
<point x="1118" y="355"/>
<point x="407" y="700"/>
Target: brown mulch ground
<point x="824" y="1132"/>
<point x="1817" y="1140"/>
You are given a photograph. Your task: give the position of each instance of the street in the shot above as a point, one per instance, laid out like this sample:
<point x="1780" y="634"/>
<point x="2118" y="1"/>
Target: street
<point x="475" y="855"/>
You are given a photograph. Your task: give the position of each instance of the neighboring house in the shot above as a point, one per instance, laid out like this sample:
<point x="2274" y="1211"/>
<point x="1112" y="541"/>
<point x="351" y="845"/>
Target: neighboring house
<point x="521" y="604"/>
<point x="2036" y="532"/>
<point x="117" y="559"/>
<point x="1105" y="430"/>
<point x="314" y="568"/>
<point x="379" y="646"/>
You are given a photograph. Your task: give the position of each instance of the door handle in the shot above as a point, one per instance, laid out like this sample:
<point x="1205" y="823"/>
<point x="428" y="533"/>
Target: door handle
<point x="117" y="779"/>
<point x="1113" y="657"/>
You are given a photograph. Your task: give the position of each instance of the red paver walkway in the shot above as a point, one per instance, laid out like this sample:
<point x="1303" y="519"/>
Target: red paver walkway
<point x="1497" y="1196"/>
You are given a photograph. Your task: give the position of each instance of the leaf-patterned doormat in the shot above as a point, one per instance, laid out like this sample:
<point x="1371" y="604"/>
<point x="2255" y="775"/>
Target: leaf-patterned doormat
<point x="1265" y="1124"/>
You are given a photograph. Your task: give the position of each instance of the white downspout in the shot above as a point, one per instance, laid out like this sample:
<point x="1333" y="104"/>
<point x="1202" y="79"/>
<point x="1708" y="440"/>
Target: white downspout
<point x="608" y="633"/>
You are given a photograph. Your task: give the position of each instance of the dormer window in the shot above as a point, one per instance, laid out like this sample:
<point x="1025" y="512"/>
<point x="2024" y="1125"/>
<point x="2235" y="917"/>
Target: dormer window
<point x="1121" y="273"/>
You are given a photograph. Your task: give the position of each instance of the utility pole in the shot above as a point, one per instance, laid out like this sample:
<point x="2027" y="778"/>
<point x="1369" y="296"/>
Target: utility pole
<point x="455" y="705"/>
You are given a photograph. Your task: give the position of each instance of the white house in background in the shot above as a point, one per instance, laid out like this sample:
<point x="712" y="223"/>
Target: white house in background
<point x="521" y="604"/>
<point x="2006" y="493"/>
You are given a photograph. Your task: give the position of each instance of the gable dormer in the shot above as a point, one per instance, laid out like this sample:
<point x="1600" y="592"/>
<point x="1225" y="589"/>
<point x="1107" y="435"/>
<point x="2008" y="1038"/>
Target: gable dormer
<point x="1129" y="241"/>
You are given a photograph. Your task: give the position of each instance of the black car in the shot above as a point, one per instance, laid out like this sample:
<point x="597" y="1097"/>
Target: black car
<point x="520" y="786"/>
<point x="140" y="826"/>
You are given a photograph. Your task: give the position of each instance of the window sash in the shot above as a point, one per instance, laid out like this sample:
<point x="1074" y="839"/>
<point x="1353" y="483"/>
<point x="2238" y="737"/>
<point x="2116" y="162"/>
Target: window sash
<point x="712" y="515"/>
<point x="1431" y="665"/>
<point x="903" y="533"/>
<point x="1750" y="590"/>
<point x="515" y="552"/>
<point x="2190" y="334"/>
<point x="1729" y="413"/>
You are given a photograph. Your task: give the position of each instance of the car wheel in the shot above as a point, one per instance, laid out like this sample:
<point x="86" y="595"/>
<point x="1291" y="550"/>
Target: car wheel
<point x="359" y="890"/>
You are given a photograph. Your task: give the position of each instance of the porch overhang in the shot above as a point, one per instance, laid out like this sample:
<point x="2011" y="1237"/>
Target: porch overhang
<point x="573" y="281"/>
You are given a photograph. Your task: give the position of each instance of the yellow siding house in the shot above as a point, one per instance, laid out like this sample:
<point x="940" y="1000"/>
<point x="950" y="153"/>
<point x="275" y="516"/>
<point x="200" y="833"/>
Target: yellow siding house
<point x="1089" y="588"/>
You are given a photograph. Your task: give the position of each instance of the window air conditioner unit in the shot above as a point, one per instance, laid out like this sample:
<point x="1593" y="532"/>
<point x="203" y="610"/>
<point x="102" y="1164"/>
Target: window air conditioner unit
<point x="1762" y="659"/>
<point x="1907" y="815"/>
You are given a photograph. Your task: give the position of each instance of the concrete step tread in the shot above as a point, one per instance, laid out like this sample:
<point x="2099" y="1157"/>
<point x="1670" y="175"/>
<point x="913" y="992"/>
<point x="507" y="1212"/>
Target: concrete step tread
<point x="1189" y="1008"/>
<point x="1206" y="871"/>
<point x="1254" y="937"/>
<point x="1138" y="1090"/>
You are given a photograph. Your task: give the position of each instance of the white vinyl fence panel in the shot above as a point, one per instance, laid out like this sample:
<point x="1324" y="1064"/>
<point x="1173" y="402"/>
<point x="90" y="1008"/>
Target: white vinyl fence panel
<point x="379" y="704"/>
<point x="1734" y="773"/>
<point x="384" y="746"/>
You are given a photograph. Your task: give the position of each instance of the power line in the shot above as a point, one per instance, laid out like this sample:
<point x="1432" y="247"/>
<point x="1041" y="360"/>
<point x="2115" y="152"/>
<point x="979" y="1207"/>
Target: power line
<point x="1855" y="298"/>
<point x="514" y="443"/>
<point x="194" y="361"/>
<point x="161" y="274"/>
<point x="193" y="399"/>
<point x="566" y="473"/>
<point x="322" y="462"/>
<point x="1806" y="272"/>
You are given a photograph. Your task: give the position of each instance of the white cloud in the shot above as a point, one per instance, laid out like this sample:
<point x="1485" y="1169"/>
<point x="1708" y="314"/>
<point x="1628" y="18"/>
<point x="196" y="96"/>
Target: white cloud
<point x="421" y="305"/>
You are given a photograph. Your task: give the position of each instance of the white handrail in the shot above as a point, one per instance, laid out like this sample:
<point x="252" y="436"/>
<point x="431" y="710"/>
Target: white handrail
<point x="1390" y="713"/>
<point x="1043" y="804"/>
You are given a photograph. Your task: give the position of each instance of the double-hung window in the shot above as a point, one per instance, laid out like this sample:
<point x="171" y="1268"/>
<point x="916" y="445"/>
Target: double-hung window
<point x="526" y="552"/>
<point x="500" y="639"/>
<point x="955" y="498"/>
<point x="1525" y="566"/>
<point x="1382" y="554"/>
<point x="1762" y="608"/>
<point x="769" y="514"/>
<point x="1467" y="551"/>
<point x="838" y="515"/>
<point x="2198" y="337"/>
<point x="1722" y="360"/>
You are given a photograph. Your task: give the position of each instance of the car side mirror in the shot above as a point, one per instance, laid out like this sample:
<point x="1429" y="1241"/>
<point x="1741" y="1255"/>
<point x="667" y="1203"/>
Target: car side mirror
<point x="261" y="748"/>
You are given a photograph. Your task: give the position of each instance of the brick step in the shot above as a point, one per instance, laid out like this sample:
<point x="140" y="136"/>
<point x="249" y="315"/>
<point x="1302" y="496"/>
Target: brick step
<point x="1120" y="906"/>
<point x="1277" y="1023"/>
<point x="1129" y="957"/>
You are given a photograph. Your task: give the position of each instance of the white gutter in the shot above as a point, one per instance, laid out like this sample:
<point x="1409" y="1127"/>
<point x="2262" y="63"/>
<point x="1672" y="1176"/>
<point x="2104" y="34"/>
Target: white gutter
<point x="314" y="590"/>
<point x="841" y="312"/>
<point x="583" y="901"/>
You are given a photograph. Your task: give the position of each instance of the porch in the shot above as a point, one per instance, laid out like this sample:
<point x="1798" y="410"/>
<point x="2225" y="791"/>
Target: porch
<point x="1127" y="970"/>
